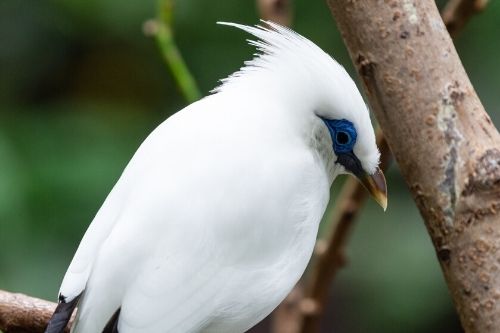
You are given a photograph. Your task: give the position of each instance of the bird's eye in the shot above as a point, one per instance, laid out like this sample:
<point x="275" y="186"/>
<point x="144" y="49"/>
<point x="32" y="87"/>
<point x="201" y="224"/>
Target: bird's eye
<point x="342" y="138"/>
<point x="343" y="134"/>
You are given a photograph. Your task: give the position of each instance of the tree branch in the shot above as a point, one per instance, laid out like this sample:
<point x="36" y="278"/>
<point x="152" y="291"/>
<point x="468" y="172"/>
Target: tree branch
<point x="457" y="13"/>
<point x="21" y="313"/>
<point x="444" y="142"/>
<point x="304" y="313"/>
<point x="330" y="258"/>
<point x="279" y="11"/>
<point x="303" y="309"/>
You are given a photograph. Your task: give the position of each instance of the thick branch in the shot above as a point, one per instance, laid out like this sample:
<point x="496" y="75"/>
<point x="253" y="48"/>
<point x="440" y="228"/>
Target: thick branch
<point x="21" y="313"/>
<point x="443" y="140"/>
<point x="304" y="315"/>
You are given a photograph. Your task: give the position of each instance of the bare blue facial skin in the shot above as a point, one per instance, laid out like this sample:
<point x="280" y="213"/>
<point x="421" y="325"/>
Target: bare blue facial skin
<point x="344" y="137"/>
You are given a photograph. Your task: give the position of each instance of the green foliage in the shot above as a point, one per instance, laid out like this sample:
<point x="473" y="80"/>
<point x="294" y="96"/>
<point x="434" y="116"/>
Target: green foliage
<point x="162" y="29"/>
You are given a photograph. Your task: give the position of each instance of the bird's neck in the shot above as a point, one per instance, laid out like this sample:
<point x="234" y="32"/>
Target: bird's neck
<point x="319" y="141"/>
<point x="288" y="106"/>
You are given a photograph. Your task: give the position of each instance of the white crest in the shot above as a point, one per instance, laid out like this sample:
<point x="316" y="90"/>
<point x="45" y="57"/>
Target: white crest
<point x="279" y="47"/>
<point x="308" y="76"/>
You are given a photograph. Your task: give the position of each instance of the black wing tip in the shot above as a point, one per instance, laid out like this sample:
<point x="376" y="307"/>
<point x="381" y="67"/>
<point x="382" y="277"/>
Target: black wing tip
<point x="62" y="314"/>
<point x="112" y="325"/>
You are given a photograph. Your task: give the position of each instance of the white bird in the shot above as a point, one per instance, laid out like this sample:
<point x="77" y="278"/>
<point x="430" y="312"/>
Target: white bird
<point x="215" y="217"/>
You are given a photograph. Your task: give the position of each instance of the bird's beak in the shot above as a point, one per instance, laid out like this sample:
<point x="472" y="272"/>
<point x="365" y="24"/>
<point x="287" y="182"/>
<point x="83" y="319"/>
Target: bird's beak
<point x="376" y="185"/>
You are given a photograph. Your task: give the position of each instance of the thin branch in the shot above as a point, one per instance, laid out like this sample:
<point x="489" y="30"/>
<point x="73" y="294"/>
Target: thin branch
<point x="284" y="318"/>
<point x="279" y="11"/>
<point x="301" y="311"/>
<point x="330" y="258"/>
<point x="161" y="28"/>
<point x="21" y="313"/>
<point x="457" y="13"/>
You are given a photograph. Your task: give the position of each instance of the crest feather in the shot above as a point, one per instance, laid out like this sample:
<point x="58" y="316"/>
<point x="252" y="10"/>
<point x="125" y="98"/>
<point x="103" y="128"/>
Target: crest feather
<point x="278" y="46"/>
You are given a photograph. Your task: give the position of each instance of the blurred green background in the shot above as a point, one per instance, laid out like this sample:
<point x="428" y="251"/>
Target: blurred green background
<point x="81" y="86"/>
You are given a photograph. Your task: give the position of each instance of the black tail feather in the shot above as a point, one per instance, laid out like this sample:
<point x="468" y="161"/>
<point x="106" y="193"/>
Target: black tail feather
<point x="112" y="325"/>
<point x="62" y="315"/>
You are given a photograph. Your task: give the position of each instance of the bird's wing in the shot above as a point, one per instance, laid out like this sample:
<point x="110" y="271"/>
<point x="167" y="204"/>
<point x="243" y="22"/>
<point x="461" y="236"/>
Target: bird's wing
<point x="162" y="291"/>
<point x="79" y="270"/>
<point x="61" y="316"/>
<point x="173" y="295"/>
<point x="76" y="276"/>
<point x="154" y="147"/>
<point x="164" y="247"/>
<point x="159" y="265"/>
<point x="118" y="249"/>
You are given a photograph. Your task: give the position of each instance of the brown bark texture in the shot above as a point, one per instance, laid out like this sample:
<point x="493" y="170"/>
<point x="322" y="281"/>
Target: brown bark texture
<point x="24" y="314"/>
<point x="443" y="140"/>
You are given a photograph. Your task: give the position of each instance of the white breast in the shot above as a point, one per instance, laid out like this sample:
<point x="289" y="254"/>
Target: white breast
<point x="216" y="220"/>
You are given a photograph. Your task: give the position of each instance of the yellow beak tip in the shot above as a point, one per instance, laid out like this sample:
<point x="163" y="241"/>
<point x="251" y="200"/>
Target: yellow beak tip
<point x="384" y="205"/>
<point x="376" y="185"/>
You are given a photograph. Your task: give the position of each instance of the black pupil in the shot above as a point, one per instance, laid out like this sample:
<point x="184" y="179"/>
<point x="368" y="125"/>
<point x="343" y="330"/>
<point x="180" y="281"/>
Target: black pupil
<point x="342" y="138"/>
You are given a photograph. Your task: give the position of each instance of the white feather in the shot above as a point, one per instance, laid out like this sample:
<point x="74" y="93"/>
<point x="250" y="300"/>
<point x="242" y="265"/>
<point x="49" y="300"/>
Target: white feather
<point x="215" y="217"/>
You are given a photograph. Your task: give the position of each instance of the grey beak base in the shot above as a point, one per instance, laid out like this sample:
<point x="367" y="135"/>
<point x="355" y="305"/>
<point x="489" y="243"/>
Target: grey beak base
<point x="374" y="183"/>
<point x="376" y="186"/>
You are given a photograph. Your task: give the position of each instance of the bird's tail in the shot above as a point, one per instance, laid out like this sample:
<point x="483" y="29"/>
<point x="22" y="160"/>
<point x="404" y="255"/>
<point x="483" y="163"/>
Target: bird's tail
<point x="62" y="315"/>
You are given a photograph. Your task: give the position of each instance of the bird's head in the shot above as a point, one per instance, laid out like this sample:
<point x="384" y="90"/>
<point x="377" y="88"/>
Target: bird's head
<point x="316" y="85"/>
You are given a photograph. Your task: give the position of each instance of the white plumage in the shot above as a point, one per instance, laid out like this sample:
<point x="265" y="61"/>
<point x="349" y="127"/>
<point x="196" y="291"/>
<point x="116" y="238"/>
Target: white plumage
<point x="215" y="218"/>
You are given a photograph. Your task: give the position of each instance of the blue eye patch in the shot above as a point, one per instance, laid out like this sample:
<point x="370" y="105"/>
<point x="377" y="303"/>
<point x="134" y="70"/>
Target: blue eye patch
<point x="343" y="135"/>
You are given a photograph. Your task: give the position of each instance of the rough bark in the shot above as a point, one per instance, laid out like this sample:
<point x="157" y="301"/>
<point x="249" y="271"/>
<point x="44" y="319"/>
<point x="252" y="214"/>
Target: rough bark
<point x="24" y="314"/>
<point x="443" y="140"/>
<point x="302" y="312"/>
